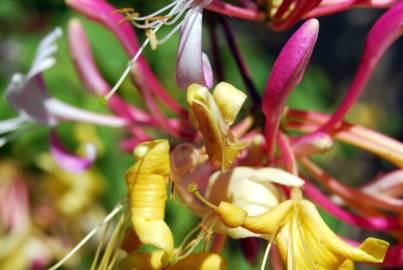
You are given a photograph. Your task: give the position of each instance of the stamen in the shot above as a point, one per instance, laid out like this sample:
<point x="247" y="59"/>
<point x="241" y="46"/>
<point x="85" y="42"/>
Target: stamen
<point x="193" y="189"/>
<point x="123" y="10"/>
<point x="108" y="218"/>
<point x="129" y="17"/>
<point x="151" y="36"/>
<point x="156" y="13"/>
<point x="170" y="34"/>
<point x="127" y="70"/>
<point x="99" y="247"/>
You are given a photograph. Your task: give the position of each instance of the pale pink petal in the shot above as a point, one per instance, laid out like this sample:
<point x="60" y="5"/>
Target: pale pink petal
<point x="191" y="65"/>
<point x="27" y="94"/>
<point x="65" y="112"/>
<point x="67" y="160"/>
<point x="287" y="72"/>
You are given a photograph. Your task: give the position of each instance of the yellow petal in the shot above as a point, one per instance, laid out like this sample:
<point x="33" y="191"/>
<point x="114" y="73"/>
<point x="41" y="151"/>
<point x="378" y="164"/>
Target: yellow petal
<point x="213" y="119"/>
<point x="270" y="221"/>
<point x="143" y="261"/>
<point x="315" y="246"/>
<point x="278" y="176"/>
<point x="231" y="215"/>
<point x="372" y="250"/>
<point x="147" y="184"/>
<point x="229" y="100"/>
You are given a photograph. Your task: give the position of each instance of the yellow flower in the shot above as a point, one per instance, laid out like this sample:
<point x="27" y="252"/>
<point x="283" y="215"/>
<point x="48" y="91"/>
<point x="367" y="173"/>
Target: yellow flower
<point x="213" y="114"/>
<point x="306" y="242"/>
<point x="72" y="193"/>
<point x="147" y="184"/>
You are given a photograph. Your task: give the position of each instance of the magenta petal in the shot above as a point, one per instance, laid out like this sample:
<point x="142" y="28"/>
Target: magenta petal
<point x="67" y="160"/>
<point x="287" y="72"/>
<point x="101" y="11"/>
<point x="386" y="30"/>
<point x="192" y="66"/>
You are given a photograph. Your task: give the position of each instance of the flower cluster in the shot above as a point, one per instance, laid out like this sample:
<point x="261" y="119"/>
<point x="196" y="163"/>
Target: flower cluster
<point x="245" y="179"/>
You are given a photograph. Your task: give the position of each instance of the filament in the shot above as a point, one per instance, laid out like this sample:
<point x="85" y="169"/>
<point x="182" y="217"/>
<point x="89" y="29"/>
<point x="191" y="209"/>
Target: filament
<point x="178" y="8"/>
<point x="193" y="189"/>
<point x="107" y="219"/>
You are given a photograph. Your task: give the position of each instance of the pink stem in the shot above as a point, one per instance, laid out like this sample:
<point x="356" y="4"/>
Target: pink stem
<point x="369" y="223"/>
<point x="330" y="8"/>
<point x="348" y="193"/>
<point x="234" y="11"/>
<point x="385" y="31"/>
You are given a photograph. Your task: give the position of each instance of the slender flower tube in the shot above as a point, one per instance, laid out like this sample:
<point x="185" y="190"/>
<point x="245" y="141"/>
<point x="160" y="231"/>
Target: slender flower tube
<point x="287" y="72"/>
<point x="386" y="30"/>
<point x="369" y="223"/>
<point x="92" y="79"/>
<point x="327" y="7"/>
<point x="27" y="95"/>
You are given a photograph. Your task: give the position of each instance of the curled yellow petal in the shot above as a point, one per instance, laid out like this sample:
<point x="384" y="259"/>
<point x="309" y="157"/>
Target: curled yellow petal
<point x="147" y="182"/>
<point x="212" y="115"/>
<point x="229" y="101"/>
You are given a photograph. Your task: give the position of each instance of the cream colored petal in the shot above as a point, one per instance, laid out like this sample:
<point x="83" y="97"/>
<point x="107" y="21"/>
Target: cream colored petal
<point x="278" y="176"/>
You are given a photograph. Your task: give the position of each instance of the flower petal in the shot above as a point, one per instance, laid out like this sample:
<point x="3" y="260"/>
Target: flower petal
<point x="287" y="72"/>
<point x="27" y="94"/>
<point x="11" y="124"/>
<point x="192" y="66"/>
<point x="69" y="161"/>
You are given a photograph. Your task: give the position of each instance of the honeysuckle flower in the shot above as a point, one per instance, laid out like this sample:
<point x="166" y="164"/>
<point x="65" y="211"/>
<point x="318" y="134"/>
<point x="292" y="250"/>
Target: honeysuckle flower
<point x="306" y="242"/>
<point x="287" y="72"/>
<point x="192" y="65"/>
<point x="27" y="95"/>
<point x="71" y="193"/>
<point x="249" y="203"/>
<point x="23" y="244"/>
<point x="148" y="207"/>
<point x="251" y="189"/>
<point x="213" y="114"/>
